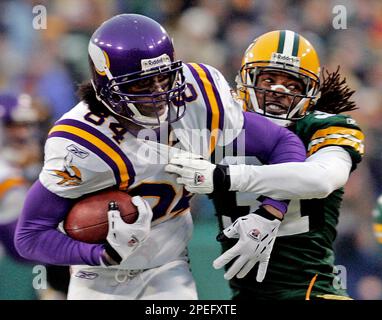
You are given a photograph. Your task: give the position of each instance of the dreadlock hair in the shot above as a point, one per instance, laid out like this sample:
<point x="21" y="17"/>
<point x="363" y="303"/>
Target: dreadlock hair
<point x="86" y="93"/>
<point x="335" y="94"/>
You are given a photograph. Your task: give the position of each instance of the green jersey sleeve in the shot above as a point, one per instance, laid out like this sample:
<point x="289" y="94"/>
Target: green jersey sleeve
<point x="319" y="130"/>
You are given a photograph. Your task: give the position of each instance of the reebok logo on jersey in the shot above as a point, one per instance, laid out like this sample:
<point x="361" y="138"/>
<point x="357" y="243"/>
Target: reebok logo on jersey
<point x="254" y="234"/>
<point x="77" y="151"/>
<point x="199" y="178"/>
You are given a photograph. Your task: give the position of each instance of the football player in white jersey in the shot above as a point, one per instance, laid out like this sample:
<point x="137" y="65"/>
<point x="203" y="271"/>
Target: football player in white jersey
<point x="131" y="119"/>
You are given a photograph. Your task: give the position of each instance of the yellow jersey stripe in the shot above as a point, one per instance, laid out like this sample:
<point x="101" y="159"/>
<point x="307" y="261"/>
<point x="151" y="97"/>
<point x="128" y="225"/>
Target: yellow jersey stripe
<point x="310" y="287"/>
<point x="333" y="297"/>
<point x="213" y="102"/>
<point x="101" y="145"/>
<point x="359" y="147"/>
<point x="339" y="130"/>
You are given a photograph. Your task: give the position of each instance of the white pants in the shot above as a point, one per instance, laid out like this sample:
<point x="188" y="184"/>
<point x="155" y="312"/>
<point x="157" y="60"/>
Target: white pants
<point x="172" y="281"/>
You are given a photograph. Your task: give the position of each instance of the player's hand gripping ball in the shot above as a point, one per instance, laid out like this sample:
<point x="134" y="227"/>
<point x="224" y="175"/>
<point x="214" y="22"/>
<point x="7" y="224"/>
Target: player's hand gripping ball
<point x="87" y="221"/>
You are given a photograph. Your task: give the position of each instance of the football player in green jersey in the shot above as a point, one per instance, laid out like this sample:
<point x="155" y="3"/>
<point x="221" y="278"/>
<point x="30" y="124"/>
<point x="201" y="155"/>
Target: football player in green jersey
<point x="280" y="79"/>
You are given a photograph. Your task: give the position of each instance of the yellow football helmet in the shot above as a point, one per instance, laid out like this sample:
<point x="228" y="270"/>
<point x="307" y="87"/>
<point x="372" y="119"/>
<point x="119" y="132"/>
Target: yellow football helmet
<point x="280" y="51"/>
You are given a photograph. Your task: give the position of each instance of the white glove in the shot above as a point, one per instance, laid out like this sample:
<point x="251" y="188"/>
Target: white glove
<point x="194" y="172"/>
<point x="123" y="237"/>
<point x="256" y="237"/>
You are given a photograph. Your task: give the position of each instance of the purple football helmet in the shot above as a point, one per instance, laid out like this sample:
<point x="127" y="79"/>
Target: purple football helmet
<point x="134" y="73"/>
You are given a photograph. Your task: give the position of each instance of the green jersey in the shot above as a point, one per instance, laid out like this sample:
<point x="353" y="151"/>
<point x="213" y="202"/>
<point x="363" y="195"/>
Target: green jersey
<point x="302" y="260"/>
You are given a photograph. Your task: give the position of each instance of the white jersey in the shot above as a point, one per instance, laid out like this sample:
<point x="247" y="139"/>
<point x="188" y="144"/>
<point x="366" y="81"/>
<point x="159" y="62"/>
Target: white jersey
<point x="85" y="153"/>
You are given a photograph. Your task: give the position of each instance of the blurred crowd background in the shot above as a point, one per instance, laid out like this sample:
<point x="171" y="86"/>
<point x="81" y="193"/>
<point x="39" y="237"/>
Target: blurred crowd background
<point x="48" y="64"/>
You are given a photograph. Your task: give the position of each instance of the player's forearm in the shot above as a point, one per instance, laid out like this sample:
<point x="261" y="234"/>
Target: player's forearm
<point x="322" y="173"/>
<point x="36" y="236"/>
<point x="275" y="207"/>
<point x="274" y="211"/>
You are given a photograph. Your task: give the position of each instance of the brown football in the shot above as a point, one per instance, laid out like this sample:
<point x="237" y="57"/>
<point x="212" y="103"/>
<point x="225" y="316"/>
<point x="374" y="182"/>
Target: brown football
<point x="87" y="220"/>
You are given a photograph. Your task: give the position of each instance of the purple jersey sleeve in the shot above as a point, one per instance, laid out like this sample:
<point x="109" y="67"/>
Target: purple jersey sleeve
<point x="271" y="144"/>
<point x="37" y="237"/>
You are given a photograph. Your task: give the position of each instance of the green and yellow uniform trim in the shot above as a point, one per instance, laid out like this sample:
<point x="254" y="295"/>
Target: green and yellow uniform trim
<point x="337" y="136"/>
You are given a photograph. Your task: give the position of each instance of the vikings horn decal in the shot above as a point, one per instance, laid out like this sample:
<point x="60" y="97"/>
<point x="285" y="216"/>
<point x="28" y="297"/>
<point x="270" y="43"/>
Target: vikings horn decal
<point x="100" y="60"/>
